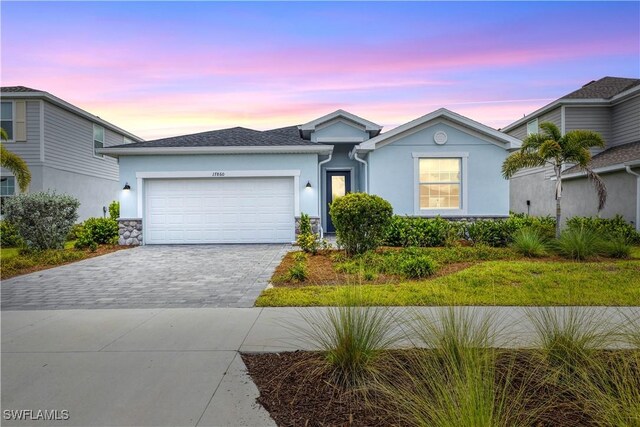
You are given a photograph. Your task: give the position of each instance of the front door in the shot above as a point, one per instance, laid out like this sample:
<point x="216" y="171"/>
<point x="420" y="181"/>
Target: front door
<point x="338" y="184"/>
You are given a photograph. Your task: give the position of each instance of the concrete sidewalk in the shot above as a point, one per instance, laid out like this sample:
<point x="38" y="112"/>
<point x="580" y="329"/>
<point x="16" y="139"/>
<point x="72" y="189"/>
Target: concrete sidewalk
<point x="174" y="367"/>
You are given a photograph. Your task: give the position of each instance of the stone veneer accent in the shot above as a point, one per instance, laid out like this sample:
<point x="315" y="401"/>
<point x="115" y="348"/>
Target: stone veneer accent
<point x="315" y="224"/>
<point x="129" y="231"/>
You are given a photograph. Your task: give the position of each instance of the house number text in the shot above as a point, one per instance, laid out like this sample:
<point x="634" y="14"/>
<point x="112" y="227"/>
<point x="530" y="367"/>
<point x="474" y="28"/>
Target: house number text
<point x="218" y="174"/>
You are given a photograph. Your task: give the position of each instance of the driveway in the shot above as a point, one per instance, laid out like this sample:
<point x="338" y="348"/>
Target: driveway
<point x="150" y="277"/>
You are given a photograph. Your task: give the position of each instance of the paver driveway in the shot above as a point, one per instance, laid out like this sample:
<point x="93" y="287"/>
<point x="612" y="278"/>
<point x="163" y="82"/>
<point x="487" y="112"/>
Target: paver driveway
<point x="150" y="277"/>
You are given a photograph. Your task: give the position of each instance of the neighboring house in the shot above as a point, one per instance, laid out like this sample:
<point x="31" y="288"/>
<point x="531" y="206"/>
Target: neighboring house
<point x="610" y="106"/>
<point x="245" y="186"/>
<point x="59" y="142"/>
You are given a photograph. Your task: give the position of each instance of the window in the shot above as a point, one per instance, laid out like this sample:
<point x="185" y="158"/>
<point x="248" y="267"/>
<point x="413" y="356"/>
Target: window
<point x="6" y="117"/>
<point x="98" y="139"/>
<point x="7" y="189"/>
<point x="440" y="183"/>
<point x="532" y="127"/>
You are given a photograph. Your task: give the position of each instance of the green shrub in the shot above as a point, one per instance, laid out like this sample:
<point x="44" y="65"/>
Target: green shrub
<point x="417" y="267"/>
<point x="528" y="242"/>
<point x="42" y="219"/>
<point x="97" y="231"/>
<point x="579" y="244"/>
<point x="490" y="232"/>
<point x="361" y="221"/>
<point x="299" y="257"/>
<point x="307" y="240"/>
<point x="609" y="227"/>
<point x="298" y="272"/>
<point x="545" y="225"/>
<point x="75" y="232"/>
<point x="9" y="236"/>
<point x="19" y="263"/>
<point x="616" y="247"/>
<point x="114" y="210"/>
<point x="423" y="232"/>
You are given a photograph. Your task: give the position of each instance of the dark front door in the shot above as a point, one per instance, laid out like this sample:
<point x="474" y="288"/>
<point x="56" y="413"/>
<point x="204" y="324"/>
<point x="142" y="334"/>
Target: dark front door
<point x="338" y="184"/>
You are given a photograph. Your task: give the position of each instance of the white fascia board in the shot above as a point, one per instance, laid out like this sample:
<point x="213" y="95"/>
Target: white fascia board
<point x="70" y="107"/>
<point x="604" y="169"/>
<point x="369" y="126"/>
<point x="281" y="149"/>
<point x="221" y="174"/>
<point x="507" y="141"/>
<point x="338" y="139"/>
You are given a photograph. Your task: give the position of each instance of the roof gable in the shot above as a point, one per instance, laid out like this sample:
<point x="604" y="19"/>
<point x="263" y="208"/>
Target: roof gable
<point x="605" y="88"/>
<point x="485" y="132"/>
<point x="308" y="128"/>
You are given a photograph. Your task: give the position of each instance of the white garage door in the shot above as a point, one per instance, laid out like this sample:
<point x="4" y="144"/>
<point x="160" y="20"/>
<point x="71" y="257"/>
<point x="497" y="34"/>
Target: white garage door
<point x="225" y="210"/>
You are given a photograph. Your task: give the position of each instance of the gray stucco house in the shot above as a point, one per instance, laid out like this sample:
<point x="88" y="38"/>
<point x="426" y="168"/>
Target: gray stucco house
<point x="60" y="143"/>
<point x="241" y="185"/>
<point x="610" y="106"/>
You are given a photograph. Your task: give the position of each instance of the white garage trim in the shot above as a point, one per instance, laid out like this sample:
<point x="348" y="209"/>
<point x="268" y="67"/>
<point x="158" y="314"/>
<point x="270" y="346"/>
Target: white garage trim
<point x="219" y="174"/>
<point x="227" y="209"/>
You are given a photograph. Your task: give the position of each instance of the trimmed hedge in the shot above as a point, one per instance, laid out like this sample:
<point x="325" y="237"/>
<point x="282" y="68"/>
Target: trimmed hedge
<point x="615" y="227"/>
<point x="96" y="231"/>
<point x="432" y="232"/>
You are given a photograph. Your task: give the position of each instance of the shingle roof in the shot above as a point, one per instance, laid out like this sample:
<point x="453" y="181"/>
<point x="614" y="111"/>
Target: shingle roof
<point x="232" y="137"/>
<point x="18" y="89"/>
<point x="613" y="156"/>
<point x="605" y="88"/>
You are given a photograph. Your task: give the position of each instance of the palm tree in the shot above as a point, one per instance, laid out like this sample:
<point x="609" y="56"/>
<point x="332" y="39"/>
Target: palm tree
<point x="549" y="147"/>
<point x="15" y="164"/>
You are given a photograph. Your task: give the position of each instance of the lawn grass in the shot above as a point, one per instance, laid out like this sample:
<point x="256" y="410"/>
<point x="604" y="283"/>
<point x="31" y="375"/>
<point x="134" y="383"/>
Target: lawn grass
<point x="512" y="282"/>
<point x="8" y="253"/>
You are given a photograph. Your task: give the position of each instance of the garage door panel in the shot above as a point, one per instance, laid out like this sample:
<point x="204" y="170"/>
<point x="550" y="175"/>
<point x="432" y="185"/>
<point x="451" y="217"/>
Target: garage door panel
<point x="231" y="210"/>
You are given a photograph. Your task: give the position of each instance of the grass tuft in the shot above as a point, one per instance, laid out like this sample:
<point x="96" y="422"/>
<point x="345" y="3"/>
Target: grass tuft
<point x="529" y="242"/>
<point x="579" y="244"/>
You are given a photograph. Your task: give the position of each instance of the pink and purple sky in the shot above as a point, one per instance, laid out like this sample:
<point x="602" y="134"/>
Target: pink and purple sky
<point x="169" y="68"/>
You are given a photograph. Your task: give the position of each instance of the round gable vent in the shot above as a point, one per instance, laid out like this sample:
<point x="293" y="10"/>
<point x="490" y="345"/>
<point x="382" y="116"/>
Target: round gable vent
<point x="440" y="137"/>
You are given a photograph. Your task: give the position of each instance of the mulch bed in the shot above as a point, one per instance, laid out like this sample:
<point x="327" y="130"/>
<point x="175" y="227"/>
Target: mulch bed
<point x="322" y="272"/>
<point x="297" y="391"/>
<point x="101" y="250"/>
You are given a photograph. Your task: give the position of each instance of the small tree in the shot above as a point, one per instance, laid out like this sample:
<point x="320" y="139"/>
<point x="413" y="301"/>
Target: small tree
<point x="42" y="219"/>
<point x="549" y="147"/>
<point x="361" y="221"/>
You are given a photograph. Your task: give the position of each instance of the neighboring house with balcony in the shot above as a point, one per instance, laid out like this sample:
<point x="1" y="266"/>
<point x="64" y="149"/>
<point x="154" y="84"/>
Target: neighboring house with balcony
<point x="60" y="144"/>
<point x="611" y="107"/>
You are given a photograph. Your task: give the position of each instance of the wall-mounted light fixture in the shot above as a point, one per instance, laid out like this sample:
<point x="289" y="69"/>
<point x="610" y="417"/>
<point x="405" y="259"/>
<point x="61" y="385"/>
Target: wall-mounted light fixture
<point x="308" y="184"/>
<point x="126" y="187"/>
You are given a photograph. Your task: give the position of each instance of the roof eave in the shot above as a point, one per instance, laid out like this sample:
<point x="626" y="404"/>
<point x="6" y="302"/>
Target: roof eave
<point x="153" y="151"/>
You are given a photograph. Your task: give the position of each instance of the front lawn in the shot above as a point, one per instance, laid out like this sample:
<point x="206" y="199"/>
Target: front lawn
<point x="465" y="276"/>
<point x="14" y="263"/>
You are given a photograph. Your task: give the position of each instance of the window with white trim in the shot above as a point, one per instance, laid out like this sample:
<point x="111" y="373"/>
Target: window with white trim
<point x="532" y="127"/>
<point x="7" y="189"/>
<point x="440" y="182"/>
<point x="98" y="139"/>
<point x="6" y="118"/>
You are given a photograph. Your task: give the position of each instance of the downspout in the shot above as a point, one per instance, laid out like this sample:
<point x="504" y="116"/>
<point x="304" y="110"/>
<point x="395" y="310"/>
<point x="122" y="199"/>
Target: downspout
<point x="364" y="162"/>
<point x="637" y="175"/>
<point x="328" y="159"/>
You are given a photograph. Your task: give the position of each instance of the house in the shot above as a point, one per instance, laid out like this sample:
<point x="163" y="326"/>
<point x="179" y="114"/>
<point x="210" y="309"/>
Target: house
<point x="241" y="185"/>
<point x="60" y="143"/>
<point x="610" y="106"/>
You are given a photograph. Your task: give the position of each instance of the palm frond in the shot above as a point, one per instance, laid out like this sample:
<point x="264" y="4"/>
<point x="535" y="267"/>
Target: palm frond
<point x="532" y="142"/>
<point x="17" y="166"/>
<point x="584" y="139"/>
<point x="551" y="131"/>
<point x="3" y="135"/>
<point x="550" y="149"/>
<point x="521" y="160"/>
<point x="598" y="183"/>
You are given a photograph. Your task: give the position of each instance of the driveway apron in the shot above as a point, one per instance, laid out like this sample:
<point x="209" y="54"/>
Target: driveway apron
<point x="150" y="277"/>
